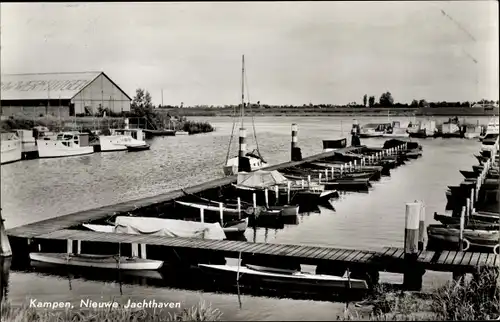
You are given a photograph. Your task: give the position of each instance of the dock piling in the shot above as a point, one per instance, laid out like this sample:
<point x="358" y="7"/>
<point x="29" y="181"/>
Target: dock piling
<point x="242" y="149"/>
<point x="202" y="215"/>
<point x="276" y="194"/>
<point x="239" y="207"/>
<point x="319" y="178"/>
<point x="412" y="279"/>
<point x="135" y="250"/>
<point x="69" y="246"/>
<point x="254" y="197"/>
<point x="143" y="251"/>
<point x="463" y="244"/>
<point x="295" y="140"/>
<point x="5" y="250"/>
<point x="266" y="197"/>
<point x="221" y="213"/>
<point x="78" y="247"/>
<point x="288" y="192"/>
<point x="421" y="228"/>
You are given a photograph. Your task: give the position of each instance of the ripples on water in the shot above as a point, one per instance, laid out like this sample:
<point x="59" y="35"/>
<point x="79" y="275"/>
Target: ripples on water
<point x="38" y="189"/>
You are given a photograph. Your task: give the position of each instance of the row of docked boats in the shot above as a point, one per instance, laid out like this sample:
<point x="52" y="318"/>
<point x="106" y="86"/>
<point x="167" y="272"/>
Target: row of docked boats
<point x="429" y="128"/>
<point x="70" y="143"/>
<point x="254" y="194"/>
<point x="481" y="227"/>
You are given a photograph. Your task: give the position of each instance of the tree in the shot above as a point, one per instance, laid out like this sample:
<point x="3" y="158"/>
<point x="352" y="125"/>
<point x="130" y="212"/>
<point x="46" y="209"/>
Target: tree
<point x="386" y="99"/>
<point x="423" y="103"/>
<point x="371" y="101"/>
<point x="364" y="100"/>
<point x="141" y="104"/>
<point x="414" y="103"/>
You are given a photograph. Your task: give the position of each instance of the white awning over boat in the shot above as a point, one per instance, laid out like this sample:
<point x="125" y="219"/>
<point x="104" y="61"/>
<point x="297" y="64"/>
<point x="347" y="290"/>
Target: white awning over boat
<point x="168" y="228"/>
<point x="260" y="179"/>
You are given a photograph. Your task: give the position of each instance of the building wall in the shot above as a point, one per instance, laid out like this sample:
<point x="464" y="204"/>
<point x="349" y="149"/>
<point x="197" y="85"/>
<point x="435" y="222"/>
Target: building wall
<point x="101" y="92"/>
<point x="35" y="111"/>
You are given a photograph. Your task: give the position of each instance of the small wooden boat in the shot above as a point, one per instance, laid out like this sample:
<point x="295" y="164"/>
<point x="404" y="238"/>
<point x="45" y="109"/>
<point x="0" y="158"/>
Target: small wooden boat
<point x="276" y="275"/>
<point x="135" y="148"/>
<point x="482" y="235"/>
<point x="469" y="174"/>
<point x="97" y="261"/>
<point x="476" y="218"/>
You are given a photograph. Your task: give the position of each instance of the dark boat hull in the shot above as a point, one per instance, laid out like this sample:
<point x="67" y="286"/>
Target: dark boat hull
<point x="131" y="148"/>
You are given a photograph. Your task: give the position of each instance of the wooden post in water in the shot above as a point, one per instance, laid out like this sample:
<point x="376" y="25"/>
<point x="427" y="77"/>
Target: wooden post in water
<point x="239" y="208"/>
<point x="202" y="215"/>
<point x="254" y="197"/>
<point x="326" y="174"/>
<point x="421" y="228"/>
<point x="294" y="139"/>
<point x="341" y="170"/>
<point x="266" y="197"/>
<point x="355" y="164"/>
<point x="333" y="172"/>
<point x="5" y="250"/>
<point x="412" y="279"/>
<point x="69" y="246"/>
<point x="458" y="276"/>
<point x="276" y="194"/>
<point x="78" y="247"/>
<point x="221" y="213"/>
<point x="319" y="178"/>
<point x="242" y="149"/>
<point x="288" y="192"/>
<point x="309" y="180"/>
<point x="467" y="210"/>
<point x="472" y="201"/>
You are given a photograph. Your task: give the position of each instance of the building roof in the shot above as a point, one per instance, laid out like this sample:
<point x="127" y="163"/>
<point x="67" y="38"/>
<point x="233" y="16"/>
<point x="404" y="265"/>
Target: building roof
<point x="45" y="85"/>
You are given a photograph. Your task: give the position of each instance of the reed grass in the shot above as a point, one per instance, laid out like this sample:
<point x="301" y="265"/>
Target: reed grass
<point x="201" y="312"/>
<point x="193" y="127"/>
<point x="477" y="299"/>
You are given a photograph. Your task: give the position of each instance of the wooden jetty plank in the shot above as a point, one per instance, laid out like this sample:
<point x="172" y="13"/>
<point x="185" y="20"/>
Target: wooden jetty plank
<point x="316" y="250"/>
<point x="442" y="257"/>
<point x="246" y="247"/>
<point x="386" y="250"/>
<point x="294" y="252"/>
<point x="325" y="251"/>
<point x="358" y="256"/>
<point x="329" y="253"/>
<point x="304" y="250"/>
<point x="450" y="258"/>
<point x="337" y="255"/>
<point x="465" y="261"/>
<point x="231" y="246"/>
<point x="393" y="251"/>
<point x="345" y="255"/>
<point x="258" y="247"/>
<point x="490" y="260"/>
<point x="474" y="259"/>
<point x="285" y="251"/>
<point x="275" y="250"/>
<point x="312" y="251"/>
<point x="399" y="254"/>
<point x="352" y="255"/>
<point x="482" y="260"/>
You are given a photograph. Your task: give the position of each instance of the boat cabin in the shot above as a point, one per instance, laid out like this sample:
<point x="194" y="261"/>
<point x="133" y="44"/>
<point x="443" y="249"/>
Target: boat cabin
<point x="70" y="139"/>
<point x="136" y="134"/>
<point x="329" y="145"/>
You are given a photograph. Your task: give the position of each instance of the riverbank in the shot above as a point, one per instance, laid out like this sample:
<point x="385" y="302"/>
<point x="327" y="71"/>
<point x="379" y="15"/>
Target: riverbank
<point x="92" y="123"/>
<point x="334" y="111"/>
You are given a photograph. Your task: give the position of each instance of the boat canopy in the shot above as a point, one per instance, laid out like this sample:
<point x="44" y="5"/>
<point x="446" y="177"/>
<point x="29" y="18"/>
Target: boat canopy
<point x="261" y="179"/>
<point x="168" y="228"/>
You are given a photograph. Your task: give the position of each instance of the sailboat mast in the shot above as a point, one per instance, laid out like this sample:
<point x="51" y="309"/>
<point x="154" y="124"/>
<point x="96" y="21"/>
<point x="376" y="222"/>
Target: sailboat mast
<point x="242" y="89"/>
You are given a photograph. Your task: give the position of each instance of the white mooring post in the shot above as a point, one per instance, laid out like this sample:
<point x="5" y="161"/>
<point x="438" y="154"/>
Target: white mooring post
<point x="319" y="178"/>
<point x="239" y="208"/>
<point x="412" y="279"/>
<point x="266" y="197"/>
<point x="254" y="197"/>
<point x="202" y="215"/>
<point x="221" y="213"/>
<point x="276" y="193"/>
<point x="288" y="191"/>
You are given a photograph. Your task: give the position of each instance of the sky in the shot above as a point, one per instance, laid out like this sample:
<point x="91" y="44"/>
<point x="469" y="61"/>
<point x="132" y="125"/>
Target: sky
<point x="295" y="52"/>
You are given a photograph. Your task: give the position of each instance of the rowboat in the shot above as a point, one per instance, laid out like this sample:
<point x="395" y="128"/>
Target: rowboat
<point x="249" y="273"/>
<point x="478" y="217"/>
<point x="135" y="148"/>
<point x="482" y="235"/>
<point x="97" y="261"/>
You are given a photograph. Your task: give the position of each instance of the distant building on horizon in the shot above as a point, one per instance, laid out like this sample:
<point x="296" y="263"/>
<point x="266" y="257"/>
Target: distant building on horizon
<point x="60" y="94"/>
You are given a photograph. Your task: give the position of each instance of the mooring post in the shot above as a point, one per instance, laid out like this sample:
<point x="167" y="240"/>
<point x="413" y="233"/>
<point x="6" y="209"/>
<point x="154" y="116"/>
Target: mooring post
<point x="221" y="213"/>
<point x="266" y="197"/>
<point x="276" y="194"/>
<point x="412" y="279"/>
<point x="69" y="246"/>
<point x="467" y="210"/>
<point x="5" y="250"/>
<point x="341" y="170"/>
<point x="302" y="183"/>
<point x="294" y="140"/>
<point x="144" y="255"/>
<point x="355" y="164"/>
<point x="472" y="201"/>
<point x="421" y="228"/>
<point x="242" y="149"/>
<point x="326" y="174"/>
<point x="288" y="191"/>
<point x="319" y="178"/>
<point x="78" y="247"/>
<point x="333" y="172"/>
<point x="254" y="197"/>
<point x="350" y="166"/>
<point x="309" y="180"/>
<point x="239" y="208"/>
<point x="202" y="215"/>
<point x="458" y="276"/>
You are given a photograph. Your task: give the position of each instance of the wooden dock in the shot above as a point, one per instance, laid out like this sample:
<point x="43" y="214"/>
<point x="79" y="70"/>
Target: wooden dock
<point x="62" y="222"/>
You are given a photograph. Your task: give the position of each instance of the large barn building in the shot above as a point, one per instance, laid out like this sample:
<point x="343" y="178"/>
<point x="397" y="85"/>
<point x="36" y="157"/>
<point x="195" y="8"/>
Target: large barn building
<point x="60" y="94"/>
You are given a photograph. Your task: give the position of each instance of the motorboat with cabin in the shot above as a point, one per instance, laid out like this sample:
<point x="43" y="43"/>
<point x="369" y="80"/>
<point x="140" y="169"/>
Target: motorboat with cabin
<point x="492" y="127"/>
<point x="423" y="129"/>
<point x="334" y="144"/>
<point x="388" y="129"/>
<point x="11" y="148"/>
<point x="121" y="139"/>
<point x="64" y="144"/>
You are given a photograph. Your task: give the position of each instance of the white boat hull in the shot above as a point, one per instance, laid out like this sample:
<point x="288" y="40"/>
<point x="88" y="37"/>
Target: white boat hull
<point x="56" y="149"/>
<point x="97" y="261"/>
<point x="396" y="135"/>
<point x="112" y="143"/>
<point x="295" y="277"/>
<point x="231" y="167"/>
<point x="11" y="151"/>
